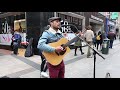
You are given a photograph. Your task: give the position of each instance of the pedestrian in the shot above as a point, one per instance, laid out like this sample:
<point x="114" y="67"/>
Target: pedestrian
<point x="94" y="39"/>
<point x="43" y="66"/>
<point x="16" y="41"/>
<point x="99" y="40"/>
<point x="111" y="36"/>
<point x="78" y="44"/>
<point x="53" y="34"/>
<point x="89" y="35"/>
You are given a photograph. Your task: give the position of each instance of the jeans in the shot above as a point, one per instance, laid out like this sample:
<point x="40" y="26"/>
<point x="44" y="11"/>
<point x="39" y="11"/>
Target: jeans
<point x="78" y="47"/>
<point x="56" y="71"/>
<point x="43" y="64"/>
<point x="89" y="53"/>
<point x="111" y="43"/>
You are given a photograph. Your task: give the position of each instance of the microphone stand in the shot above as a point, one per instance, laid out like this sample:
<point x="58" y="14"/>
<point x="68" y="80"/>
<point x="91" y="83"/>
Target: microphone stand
<point x="94" y="51"/>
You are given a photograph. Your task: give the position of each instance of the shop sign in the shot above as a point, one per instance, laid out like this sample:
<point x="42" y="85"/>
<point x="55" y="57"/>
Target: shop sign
<point x="114" y="15"/>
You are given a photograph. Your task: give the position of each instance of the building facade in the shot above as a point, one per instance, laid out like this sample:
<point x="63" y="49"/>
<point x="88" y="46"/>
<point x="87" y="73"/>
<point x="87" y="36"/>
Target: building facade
<point x="31" y="24"/>
<point x="96" y="20"/>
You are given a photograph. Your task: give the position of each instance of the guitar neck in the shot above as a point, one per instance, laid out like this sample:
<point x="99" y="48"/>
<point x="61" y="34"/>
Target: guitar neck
<point x="74" y="39"/>
<point x="71" y="41"/>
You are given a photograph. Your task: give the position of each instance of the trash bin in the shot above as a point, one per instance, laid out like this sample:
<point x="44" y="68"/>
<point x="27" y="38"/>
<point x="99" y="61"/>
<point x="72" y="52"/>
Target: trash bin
<point x="105" y="46"/>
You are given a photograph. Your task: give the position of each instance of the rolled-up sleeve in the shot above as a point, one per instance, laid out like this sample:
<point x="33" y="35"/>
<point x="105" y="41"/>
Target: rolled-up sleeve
<point x="42" y="43"/>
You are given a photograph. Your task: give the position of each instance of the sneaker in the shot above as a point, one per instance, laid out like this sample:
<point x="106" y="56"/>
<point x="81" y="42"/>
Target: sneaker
<point x="44" y="74"/>
<point x="75" y="54"/>
<point x="82" y="53"/>
<point x="89" y="56"/>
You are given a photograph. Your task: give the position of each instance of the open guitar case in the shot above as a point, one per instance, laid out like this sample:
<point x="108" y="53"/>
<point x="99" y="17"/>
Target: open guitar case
<point x="29" y="49"/>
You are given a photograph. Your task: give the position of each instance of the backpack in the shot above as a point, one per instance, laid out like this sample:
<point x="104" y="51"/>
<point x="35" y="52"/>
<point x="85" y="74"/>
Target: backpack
<point x="98" y="37"/>
<point x="94" y="39"/>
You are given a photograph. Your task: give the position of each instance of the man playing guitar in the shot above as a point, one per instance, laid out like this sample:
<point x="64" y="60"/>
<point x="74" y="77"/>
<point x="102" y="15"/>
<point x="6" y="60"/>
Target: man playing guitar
<point x="53" y="34"/>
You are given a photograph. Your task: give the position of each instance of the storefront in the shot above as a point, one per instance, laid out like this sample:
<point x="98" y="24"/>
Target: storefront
<point x="8" y="23"/>
<point x="96" y="20"/>
<point x="110" y="25"/>
<point x="29" y="24"/>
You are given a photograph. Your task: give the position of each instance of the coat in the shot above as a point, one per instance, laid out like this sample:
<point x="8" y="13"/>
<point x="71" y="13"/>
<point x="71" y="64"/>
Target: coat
<point x="78" y="43"/>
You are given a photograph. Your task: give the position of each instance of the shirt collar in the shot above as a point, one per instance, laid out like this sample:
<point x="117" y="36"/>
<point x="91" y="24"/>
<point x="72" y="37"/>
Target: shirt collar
<point x="53" y="31"/>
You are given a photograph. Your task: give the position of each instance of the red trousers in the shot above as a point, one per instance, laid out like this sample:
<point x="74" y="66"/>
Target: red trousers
<point x="56" y="71"/>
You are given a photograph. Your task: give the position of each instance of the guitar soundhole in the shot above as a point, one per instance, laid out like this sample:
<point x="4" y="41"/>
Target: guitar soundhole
<point x="63" y="52"/>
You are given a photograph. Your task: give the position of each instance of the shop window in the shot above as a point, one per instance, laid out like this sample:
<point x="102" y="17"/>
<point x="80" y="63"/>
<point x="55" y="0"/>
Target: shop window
<point x="58" y="14"/>
<point x="22" y="16"/>
<point x="62" y="16"/>
<point x="69" y="19"/>
<point x="75" y="20"/>
<point x="65" y="16"/>
<point x="20" y="25"/>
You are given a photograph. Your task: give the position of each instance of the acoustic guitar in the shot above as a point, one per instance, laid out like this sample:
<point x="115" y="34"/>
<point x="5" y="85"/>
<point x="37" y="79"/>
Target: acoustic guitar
<point x="56" y="58"/>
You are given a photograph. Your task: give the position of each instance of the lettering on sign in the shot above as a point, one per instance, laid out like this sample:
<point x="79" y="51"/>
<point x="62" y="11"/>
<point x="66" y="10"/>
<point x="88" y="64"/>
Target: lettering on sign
<point x="6" y="28"/>
<point x="65" y="29"/>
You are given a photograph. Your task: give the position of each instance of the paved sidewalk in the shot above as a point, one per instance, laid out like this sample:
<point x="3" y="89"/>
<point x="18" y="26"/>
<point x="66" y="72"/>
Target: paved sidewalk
<point x="76" y="66"/>
<point x="111" y="64"/>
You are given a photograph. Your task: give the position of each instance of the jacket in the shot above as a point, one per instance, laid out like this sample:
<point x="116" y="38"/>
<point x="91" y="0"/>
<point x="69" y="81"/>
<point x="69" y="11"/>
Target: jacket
<point x="47" y="37"/>
<point x="111" y="35"/>
<point x="89" y="35"/>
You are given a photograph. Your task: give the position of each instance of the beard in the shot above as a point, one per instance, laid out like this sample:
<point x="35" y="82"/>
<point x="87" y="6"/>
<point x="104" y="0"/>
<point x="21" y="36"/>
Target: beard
<point x="56" y="28"/>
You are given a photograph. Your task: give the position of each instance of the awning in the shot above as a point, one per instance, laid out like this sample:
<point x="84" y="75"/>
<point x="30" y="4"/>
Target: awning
<point x="95" y="21"/>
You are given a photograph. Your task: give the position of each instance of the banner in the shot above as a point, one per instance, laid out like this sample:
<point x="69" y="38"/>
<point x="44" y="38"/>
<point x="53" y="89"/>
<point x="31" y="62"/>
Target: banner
<point x="5" y="39"/>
